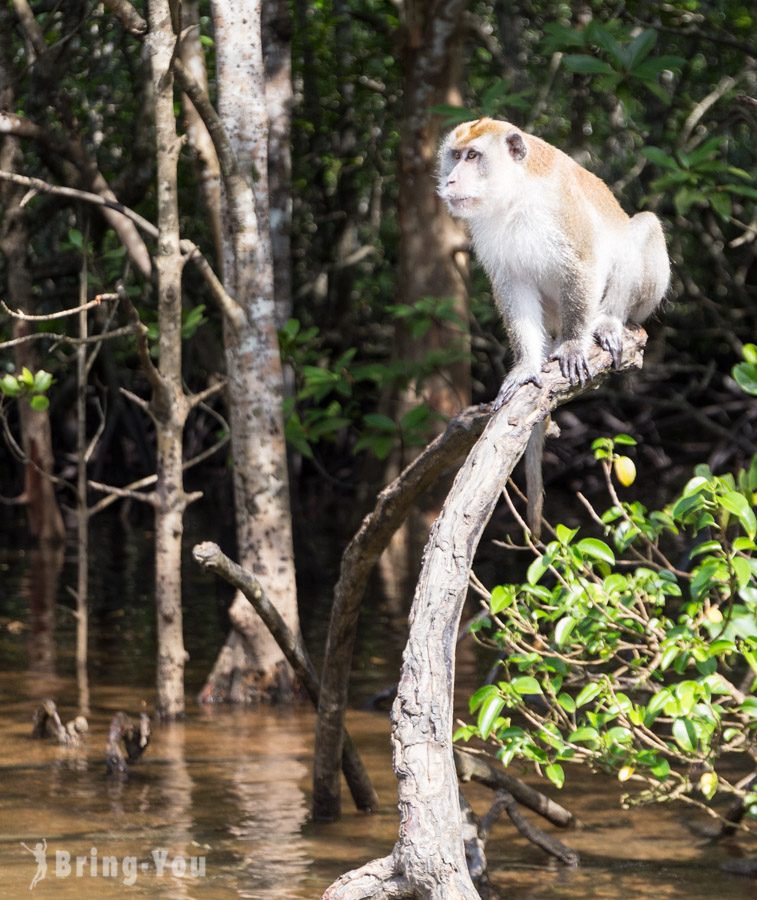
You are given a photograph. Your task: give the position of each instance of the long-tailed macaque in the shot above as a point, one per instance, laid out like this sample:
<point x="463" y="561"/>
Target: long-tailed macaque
<point x="566" y="264"/>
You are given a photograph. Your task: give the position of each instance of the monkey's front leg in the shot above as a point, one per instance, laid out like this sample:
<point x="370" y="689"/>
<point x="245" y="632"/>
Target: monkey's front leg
<point x="522" y="312"/>
<point x="577" y="303"/>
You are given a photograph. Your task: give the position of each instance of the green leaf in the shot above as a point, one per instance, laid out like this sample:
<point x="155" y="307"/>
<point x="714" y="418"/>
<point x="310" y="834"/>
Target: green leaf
<point x="537" y="568"/>
<point x="564" y="534"/>
<point x="743" y="571"/>
<point x="585" y="735"/>
<point x="488" y="713"/>
<point x="582" y="64"/>
<point x="555" y="774"/>
<point x="588" y="693"/>
<point x="380" y="422"/>
<point x="39" y="402"/>
<point x="641" y="46"/>
<point x="501" y="597"/>
<point x="482" y="695"/>
<point x="26" y="377"/>
<point x="745" y="375"/>
<point x="737" y="504"/>
<point x="564" y="629"/>
<point x="597" y="550"/>
<point x="750" y="353"/>
<point x="525" y="684"/>
<point x="661" y="769"/>
<point x="10" y="386"/>
<point x="685" y="734"/>
<point x="42" y="381"/>
<point x="75" y="238"/>
<point x="722" y="205"/>
<point x="567" y="702"/>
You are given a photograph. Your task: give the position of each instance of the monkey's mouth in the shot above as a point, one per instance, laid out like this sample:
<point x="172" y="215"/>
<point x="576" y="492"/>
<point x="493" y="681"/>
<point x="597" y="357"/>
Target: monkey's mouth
<point x="462" y="203"/>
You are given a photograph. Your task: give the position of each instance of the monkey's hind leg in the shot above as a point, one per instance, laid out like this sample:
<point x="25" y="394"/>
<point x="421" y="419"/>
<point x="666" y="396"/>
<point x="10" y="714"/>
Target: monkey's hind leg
<point x="653" y="276"/>
<point x="608" y="330"/>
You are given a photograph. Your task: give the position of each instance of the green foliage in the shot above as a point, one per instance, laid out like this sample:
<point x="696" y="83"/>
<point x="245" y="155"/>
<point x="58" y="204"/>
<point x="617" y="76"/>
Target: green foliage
<point x="29" y="386"/>
<point x="335" y="393"/>
<point x="745" y="372"/>
<point x="622" y="64"/>
<point x="642" y="668"/>
<point x="701" y="177"/>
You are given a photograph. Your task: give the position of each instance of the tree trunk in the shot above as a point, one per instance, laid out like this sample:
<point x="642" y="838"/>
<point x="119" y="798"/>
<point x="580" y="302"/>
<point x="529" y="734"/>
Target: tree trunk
<point x="45" y="520"/>
<point x="208" y="169"/>
<point x="168" y="404"/>
<point x="277" y="59"/>
<point x="255" y="381"/>
<point x="432" y="257"/>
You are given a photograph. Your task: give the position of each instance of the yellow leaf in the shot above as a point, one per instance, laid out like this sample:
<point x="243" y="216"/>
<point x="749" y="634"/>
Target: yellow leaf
<point x="625" y="470"/>
<point x="708" y="784"/>
<point x="625" y="773"/>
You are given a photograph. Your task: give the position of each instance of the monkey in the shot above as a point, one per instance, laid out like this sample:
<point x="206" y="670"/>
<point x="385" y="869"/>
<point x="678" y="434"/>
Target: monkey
<point x="567" y="265"/>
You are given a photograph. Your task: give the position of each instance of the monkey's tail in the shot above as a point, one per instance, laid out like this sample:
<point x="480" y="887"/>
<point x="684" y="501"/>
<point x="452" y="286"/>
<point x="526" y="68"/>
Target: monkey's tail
<point x="534" y="479"/>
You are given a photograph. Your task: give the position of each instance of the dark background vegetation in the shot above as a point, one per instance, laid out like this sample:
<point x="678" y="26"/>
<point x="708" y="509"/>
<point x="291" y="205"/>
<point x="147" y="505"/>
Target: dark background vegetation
<point x="656" y="99"/>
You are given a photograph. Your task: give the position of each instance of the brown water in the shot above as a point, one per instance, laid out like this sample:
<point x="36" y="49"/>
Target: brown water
<point x="231" y="788"/>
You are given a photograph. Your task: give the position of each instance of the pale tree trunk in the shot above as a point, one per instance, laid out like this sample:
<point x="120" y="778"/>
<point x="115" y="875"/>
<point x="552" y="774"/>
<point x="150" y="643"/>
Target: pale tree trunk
<point x="432" y="258"/>
<point x="255" y="382"/>
<point x="168" y="405"/>
<point x="277" y="59"/>
<point x="45" y="520"/>
<point x="428" y="861"/>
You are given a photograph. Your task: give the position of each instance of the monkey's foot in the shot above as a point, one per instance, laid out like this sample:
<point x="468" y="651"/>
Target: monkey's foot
<point x="515" y="379"/>
<point x="573" y="363"/>
<point x="608" y="331"/>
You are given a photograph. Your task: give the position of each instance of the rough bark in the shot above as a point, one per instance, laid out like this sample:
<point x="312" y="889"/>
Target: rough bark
<point x="392" y="507"/>
<point x="255" y="380"/>
<point x="210" y="557"/>
<point x="208" y="168"/>
<point x="277" y="58"/>
<point x="168" y="404"/>
<point x="429" y="853"/>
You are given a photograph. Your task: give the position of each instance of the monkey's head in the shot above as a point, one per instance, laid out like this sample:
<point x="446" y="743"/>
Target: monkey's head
<point x="481" y="165"/>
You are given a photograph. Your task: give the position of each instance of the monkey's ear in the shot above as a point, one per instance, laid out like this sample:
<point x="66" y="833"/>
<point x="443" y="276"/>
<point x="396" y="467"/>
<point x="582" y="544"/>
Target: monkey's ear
<point x="516" y="145"/>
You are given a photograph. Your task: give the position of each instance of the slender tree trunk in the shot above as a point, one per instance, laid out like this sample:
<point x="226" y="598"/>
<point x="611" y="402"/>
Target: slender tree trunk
<point x="82" y="509"/>
<point x="277" y="59"/>
<point x="168" y="404"/>
<point x="43" y="512"/>
<point x="255" y="381"/>
<point x="208" y="169"/>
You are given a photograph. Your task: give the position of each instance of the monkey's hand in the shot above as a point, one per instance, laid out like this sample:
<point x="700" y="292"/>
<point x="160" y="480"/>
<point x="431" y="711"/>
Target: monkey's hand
<point x="573" y="363"/>
<point x="515" y="379"/>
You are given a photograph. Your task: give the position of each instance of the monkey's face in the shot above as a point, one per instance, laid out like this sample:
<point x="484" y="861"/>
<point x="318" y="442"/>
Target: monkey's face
<point x="478" y="168"/>
<point x="462" y="179"/>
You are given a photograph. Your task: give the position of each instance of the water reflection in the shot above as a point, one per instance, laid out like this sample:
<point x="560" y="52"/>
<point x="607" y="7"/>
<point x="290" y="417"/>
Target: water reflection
<point x="42" y="579"/>
<point x="232" y="786"/>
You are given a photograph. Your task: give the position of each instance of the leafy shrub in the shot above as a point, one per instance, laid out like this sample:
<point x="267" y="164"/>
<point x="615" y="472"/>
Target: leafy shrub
<point x="615" y="656"/>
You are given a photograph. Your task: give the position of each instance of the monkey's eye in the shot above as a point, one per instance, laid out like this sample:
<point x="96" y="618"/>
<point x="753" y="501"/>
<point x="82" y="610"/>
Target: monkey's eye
<point x="472" y="154"/>
<point x="456" y="154"/>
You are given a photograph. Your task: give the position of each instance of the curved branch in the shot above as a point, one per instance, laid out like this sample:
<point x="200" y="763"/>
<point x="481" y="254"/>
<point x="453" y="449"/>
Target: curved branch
<point x="430" y="851"/>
